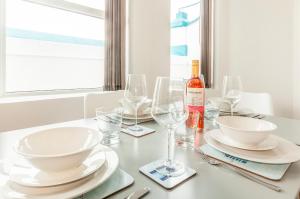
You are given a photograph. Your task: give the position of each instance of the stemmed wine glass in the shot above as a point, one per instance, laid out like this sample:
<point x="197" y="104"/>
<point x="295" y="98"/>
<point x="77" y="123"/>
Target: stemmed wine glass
<point x="169" y="109"/>
<point x="136" y="94"/>
<point x="232" y="88"/>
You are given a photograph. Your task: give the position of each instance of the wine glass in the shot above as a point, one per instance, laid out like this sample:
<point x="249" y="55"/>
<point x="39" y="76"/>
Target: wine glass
<point x="136" y="94"/>
<point x="232" y="88"/>
<point x="169" y="109"/>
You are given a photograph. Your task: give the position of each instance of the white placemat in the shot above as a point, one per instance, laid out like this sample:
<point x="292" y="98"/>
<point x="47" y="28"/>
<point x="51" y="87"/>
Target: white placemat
<point x="270" y="171"/>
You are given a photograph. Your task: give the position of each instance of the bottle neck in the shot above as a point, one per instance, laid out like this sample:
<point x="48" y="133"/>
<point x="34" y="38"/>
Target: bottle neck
<point x="195" y="71"/>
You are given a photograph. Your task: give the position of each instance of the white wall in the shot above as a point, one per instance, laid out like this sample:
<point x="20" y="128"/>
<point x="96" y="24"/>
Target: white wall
<point x="149" y="39"/>
<point x="254" y="39"/>
<point x="296" y="72"/>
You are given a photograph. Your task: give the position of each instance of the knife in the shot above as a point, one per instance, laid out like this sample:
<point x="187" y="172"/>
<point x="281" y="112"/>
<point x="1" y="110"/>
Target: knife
<point x="139" y="193"/>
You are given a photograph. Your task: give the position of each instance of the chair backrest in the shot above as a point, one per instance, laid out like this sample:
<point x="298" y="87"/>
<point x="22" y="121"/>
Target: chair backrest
<point x="107" y="99"/>
<point x="258" y="102"/>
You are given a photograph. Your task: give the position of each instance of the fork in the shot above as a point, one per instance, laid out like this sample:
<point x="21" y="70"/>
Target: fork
<point x="252" y="115"/>
<point x="241" y="172"/>
<point x="259" y="116"/>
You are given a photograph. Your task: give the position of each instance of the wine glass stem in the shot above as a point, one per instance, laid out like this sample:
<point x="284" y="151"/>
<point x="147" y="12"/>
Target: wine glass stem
<point x="231" y="109"/>
<point x="171" y="144"/>
<point x="136" y="116"/>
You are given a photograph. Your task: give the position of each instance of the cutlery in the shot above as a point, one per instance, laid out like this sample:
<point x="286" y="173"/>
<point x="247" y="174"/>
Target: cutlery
<point x="253" y="115"/>
<point x="139" y="193"/>
<point x="259" y="116"/>
<point x="241" y="172"/>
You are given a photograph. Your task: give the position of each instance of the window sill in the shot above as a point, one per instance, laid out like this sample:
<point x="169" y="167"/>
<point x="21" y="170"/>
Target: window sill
<point x="17" y="99"/>
<point x="46" y="95"/>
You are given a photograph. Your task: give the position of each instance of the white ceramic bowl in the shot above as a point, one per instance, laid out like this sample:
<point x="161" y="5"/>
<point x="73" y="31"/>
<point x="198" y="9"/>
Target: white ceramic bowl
<point x="58" y="149"/>
<point x="245" y="130"/>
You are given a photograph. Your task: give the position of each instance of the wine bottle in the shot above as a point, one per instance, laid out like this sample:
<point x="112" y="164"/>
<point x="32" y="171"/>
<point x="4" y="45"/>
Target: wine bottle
<point x="195" y="96"/>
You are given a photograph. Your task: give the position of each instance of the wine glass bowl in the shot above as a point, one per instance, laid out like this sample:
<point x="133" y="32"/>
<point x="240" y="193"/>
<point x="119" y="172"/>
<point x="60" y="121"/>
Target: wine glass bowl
<point x="232" y="90"/>
<point x="169" y="110"/>
<point x="135" y="93"/>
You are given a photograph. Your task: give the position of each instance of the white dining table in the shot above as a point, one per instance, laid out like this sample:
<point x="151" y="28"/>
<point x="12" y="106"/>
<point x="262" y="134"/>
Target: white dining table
<point x="210" y="182"/>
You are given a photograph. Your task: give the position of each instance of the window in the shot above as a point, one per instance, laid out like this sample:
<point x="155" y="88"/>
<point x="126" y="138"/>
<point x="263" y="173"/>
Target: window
<point x="53" y="45"/>
<point x="191" y="38"/>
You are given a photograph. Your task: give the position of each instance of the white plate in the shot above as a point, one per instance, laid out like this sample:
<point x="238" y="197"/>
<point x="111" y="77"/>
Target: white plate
<point x="269" y="143"/>
<point x="27" y="175"/>
<point x="285" y="152"/>
<point x="10" y="190"/>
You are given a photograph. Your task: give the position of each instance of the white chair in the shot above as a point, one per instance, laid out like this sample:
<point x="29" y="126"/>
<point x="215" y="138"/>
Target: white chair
<point x="107" y="99"/>
<point x="258" y="102"/>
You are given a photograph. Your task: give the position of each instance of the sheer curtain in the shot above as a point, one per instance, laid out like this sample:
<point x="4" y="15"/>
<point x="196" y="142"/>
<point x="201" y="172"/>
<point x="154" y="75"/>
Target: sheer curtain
<point x="115" y="20"/>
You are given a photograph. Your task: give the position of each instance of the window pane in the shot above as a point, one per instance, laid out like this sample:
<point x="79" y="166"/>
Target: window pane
<point x="48" y="48"/>
<point x="185" y="36"/>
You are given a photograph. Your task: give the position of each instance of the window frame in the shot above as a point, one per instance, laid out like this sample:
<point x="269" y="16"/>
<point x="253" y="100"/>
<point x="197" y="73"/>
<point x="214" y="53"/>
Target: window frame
<point x="58" y="4"/>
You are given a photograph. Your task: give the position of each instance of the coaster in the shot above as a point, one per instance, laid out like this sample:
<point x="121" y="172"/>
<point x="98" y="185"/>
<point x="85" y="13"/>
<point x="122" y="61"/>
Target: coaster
<point x="151" y="171"/>
<point x="143" y="132"/>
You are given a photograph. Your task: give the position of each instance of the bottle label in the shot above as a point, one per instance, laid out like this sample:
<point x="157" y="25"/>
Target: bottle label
<point x="195" y="99"/>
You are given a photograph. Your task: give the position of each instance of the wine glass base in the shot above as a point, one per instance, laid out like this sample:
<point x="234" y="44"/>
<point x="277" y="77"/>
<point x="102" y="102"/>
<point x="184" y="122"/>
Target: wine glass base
<point x="171" y="170"/>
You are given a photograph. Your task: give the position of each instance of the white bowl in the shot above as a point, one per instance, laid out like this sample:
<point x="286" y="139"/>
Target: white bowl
<point x="59" y="148"/>
<point x="245" y="130"/>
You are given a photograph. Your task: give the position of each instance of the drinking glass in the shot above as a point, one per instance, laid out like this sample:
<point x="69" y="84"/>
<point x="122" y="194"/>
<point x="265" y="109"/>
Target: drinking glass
<point x="232" y="87"/>
<point x="109" y="122"/>
<point x="136" y="94"/>
<point x="169" y="110"/>
<point x="186" y="132"/>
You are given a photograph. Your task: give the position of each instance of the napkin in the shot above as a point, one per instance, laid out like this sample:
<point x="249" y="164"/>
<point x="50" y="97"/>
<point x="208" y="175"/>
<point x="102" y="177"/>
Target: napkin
<point x="270" y="171"/>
